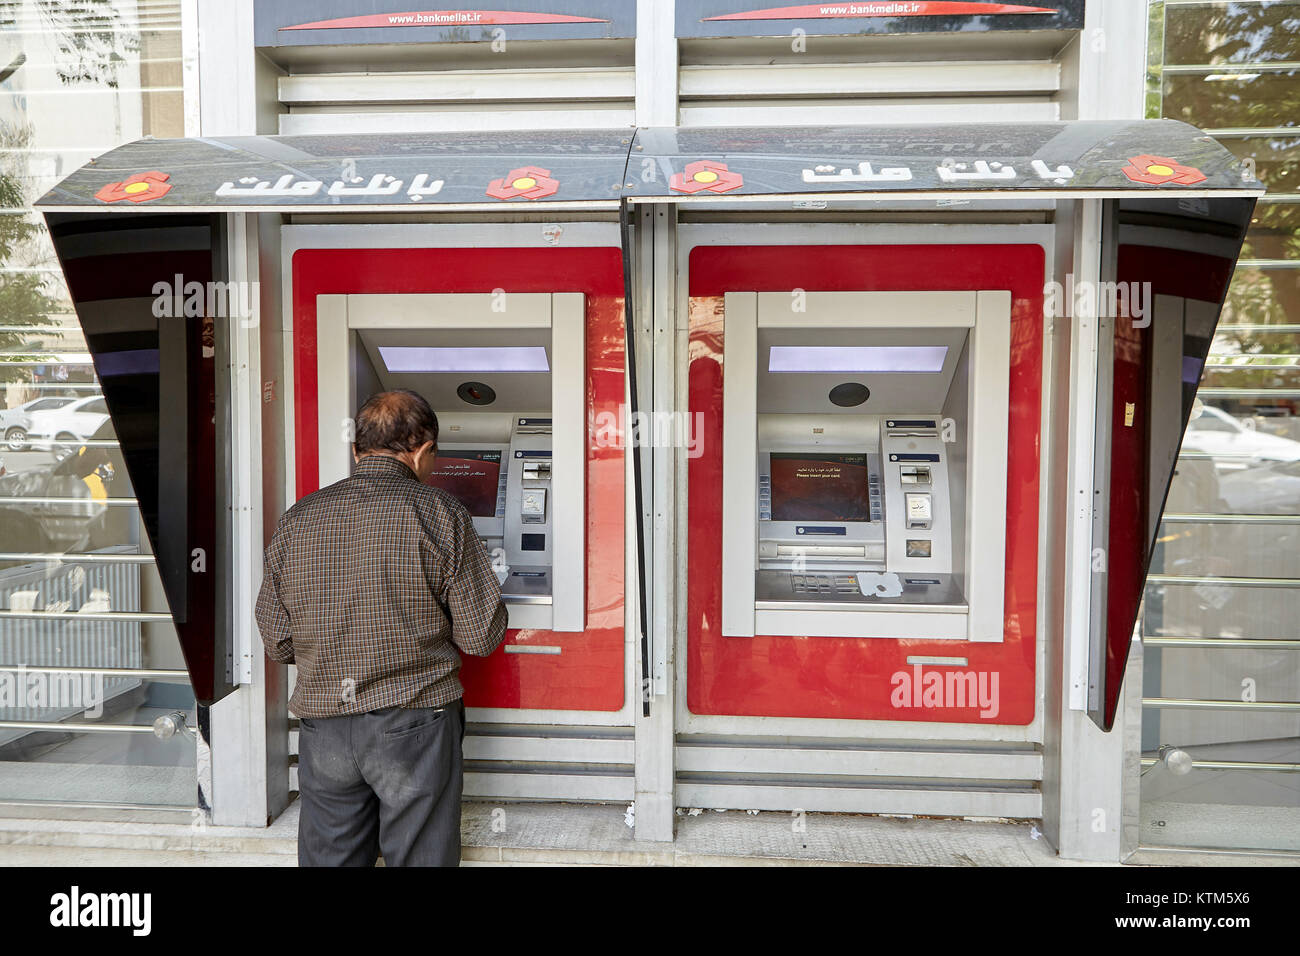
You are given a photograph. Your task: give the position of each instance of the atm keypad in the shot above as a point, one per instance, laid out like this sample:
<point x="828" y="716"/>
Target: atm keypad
<point x="824" y="584"/>
<point x="501" y="491"/>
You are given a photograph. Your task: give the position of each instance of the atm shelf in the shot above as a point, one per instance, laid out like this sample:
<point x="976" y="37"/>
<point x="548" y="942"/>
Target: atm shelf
<point x="861" y="603"/>
<point x="831" y="590"/>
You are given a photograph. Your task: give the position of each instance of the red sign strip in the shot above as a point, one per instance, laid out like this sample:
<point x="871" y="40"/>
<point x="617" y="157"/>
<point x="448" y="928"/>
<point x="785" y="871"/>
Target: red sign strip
<point x="442" y="18"/>
<point x="884" y="8"/>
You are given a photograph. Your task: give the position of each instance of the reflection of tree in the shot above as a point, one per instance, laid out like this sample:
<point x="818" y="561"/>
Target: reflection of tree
<point x="1242" y="33"/>
<point x="1256" y="298"/>
<point x="90" y="35"/>
<point x="24" y="299"/>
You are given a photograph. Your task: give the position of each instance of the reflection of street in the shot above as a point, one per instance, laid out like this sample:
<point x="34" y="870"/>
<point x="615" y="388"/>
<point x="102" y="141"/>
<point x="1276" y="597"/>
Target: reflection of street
<point x="1229" y="467"/>
<point x="1233" y="443"/>
<point x="51" y="501"/>
<point x="16" y="461"/>
<point x="1267" y="488"/>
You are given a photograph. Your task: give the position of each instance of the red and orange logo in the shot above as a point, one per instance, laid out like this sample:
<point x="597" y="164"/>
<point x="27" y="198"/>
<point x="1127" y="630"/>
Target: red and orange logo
<point x="1158" y="170"/>
<point x="530" y="182"/>
<point x="141" y="187"/>
<point x="707" y="175"/>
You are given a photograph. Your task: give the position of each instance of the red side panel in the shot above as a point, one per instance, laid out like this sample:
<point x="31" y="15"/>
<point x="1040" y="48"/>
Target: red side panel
<point x="1188" y="275"/>
<point x="864" y="679"/>
<point x="589" y="672"/>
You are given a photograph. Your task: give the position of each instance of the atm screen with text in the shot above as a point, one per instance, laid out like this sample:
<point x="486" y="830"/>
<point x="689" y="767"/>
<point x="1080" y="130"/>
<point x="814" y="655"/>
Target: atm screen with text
<point x="471" y="477"/>
<point x="821" y="487"/>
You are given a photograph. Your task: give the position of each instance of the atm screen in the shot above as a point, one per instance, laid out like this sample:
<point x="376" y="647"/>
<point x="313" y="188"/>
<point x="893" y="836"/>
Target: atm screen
<point x="471" y="477"/>
<point x="809" y="487"/>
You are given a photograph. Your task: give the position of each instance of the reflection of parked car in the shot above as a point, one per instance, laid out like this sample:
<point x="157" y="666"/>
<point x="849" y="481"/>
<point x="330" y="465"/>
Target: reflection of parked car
<point x="1269" y="489"/>
<point x="1232" y="444"/>
<point x="61" y="429"/>
<point x="83" y="522"/>
<point x="15" y="423"/>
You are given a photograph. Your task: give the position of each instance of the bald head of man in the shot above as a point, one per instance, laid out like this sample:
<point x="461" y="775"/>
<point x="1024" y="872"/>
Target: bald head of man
<point x="398" y="424"/>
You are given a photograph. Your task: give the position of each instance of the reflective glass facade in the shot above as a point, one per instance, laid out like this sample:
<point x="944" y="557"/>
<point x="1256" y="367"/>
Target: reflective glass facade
<point x="1221" y="686"/>
<point x="89" y="657"/>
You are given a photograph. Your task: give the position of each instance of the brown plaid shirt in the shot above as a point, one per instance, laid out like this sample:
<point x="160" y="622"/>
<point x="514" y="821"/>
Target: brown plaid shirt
<point x="370" y="585"/>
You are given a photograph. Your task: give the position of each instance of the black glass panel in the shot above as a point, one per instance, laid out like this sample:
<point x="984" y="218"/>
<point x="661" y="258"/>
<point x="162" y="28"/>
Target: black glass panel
<point x="132" y="280"/>
<point x="1176" y="260"/>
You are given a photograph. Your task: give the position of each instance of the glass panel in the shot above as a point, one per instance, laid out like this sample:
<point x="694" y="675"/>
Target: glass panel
<point x="108" y="767"/>
<point x="1240" y="460"/>
<point x="1241" y="550"/>
<point x="1232" y="100"/>
<point x="1260" y="295"/>
<point x="1232" y="33"/>
<point x="1274" y="231"/>
<point x="1217" y="608"/>
<point x="94" y="75"/>
<point x="1223" y="808"/>
<point x="1276" y="158"/>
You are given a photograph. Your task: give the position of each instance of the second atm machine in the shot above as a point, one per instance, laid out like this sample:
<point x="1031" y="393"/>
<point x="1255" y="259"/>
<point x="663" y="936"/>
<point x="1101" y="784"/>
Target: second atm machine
<point x="859" y="503"/>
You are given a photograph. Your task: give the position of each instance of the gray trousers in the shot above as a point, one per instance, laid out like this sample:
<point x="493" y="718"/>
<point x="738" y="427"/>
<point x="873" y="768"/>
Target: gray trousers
<point x="388" y="781"/>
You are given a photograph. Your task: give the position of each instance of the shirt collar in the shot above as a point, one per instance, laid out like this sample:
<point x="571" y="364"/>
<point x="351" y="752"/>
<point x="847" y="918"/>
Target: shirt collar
<point x="377" y="465"/>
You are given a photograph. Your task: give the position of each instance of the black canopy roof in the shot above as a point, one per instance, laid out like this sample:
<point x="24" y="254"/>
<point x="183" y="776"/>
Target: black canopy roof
<point x="593" y="169"/>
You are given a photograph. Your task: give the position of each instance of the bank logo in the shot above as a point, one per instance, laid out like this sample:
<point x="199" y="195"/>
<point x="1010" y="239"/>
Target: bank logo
<point x="141" y="187"/>
<point x="706" y="175"/>
<point x="1158" y="170"/>
<point x="527" y="182"/>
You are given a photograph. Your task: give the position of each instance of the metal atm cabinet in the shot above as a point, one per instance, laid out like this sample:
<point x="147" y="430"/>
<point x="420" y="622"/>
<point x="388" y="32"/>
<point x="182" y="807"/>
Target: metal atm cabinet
<point x="359" y="293"/>
<point x="1110" y="203"/>
<point x="550" y="712"/>
<point x="822" y="667"/>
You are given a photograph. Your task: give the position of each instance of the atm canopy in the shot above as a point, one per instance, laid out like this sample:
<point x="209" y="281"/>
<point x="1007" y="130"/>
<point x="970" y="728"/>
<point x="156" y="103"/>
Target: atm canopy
<point x="593" y="169"/>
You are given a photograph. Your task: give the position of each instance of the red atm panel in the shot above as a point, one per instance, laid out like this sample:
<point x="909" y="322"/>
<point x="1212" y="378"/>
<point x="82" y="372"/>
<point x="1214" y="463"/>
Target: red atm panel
<point x="588" y="673"/>
<point x="863" y="678"/>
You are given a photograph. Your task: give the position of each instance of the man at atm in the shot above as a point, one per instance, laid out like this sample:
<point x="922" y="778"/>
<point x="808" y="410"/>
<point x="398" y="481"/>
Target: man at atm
<point x="371" y="586"/>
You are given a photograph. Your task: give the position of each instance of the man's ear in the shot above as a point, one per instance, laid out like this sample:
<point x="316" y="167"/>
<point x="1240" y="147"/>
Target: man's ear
<point x="355" y="457"/>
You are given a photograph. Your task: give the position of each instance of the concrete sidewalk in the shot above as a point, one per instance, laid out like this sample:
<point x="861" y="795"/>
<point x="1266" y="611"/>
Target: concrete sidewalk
<point x="553" y="834"/>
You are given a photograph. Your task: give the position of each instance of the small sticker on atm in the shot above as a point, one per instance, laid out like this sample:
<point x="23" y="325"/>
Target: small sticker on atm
<point x="528" y="574"/>
<point x="820" y="529"/>
<point x="532" y="453"/>
<point x="915" y="457"/>
<point x="534" y="421"/>
<point x="909" y="423"/>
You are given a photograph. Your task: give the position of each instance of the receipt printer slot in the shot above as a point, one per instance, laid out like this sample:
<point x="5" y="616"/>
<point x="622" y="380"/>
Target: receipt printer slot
<point x="920" y="510"/>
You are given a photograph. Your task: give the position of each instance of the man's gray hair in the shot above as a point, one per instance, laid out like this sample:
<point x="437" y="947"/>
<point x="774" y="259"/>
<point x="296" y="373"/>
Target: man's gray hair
<point x="397" y="421"/>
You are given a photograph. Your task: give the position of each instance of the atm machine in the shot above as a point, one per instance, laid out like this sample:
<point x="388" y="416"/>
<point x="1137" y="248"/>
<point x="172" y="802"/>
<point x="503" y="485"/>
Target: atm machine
<point x="505" y="375"/>
<point x="859" y="502"/>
